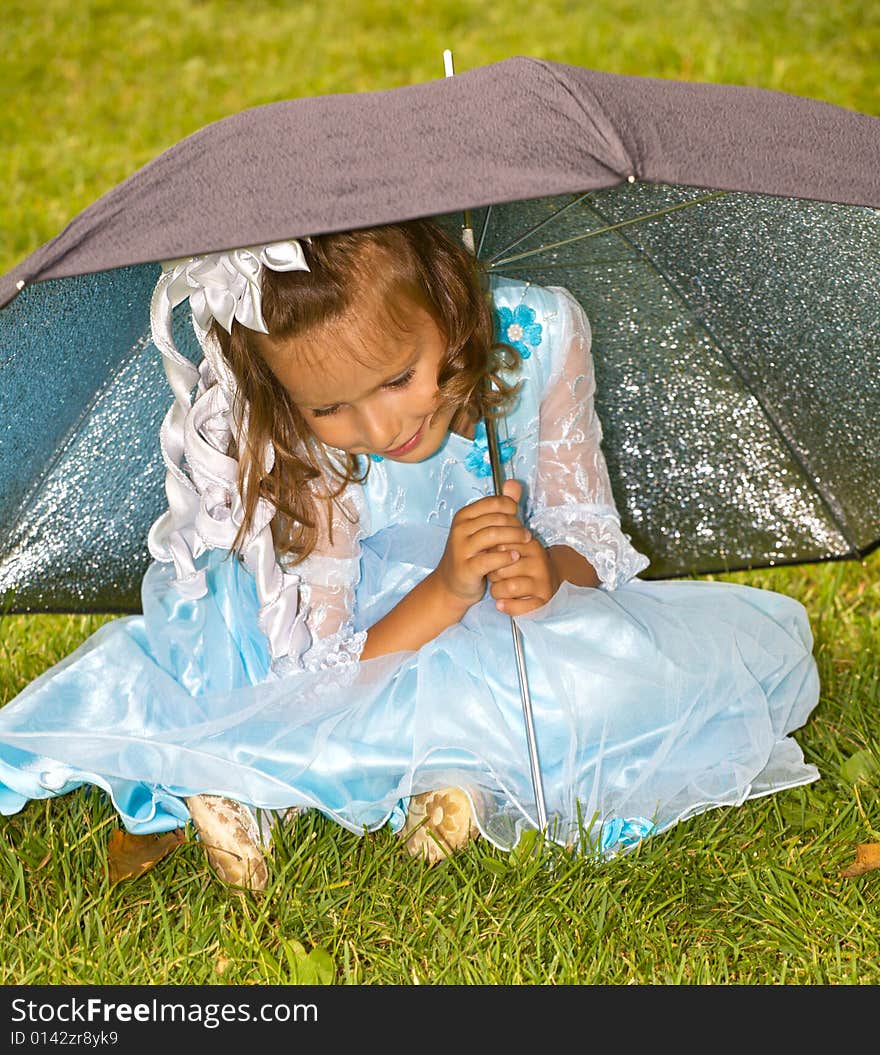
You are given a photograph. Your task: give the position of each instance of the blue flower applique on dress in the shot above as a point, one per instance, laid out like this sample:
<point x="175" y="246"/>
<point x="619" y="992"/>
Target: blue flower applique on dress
<point x="477" y="461"/>
<point x="518" y="328"/>
<point x="615" y="835"/>
<point x="623" y="832"/>
<point x="376" y="458"/>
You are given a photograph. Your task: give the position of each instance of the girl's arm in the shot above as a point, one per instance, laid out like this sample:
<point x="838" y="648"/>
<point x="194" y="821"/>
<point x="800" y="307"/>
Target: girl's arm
<point x="573" y="507"/>
<point x="572" y="511"/>
<point x="426" y="611"/>
<point x="570" y="566"/>
<point x="327" y="582"/>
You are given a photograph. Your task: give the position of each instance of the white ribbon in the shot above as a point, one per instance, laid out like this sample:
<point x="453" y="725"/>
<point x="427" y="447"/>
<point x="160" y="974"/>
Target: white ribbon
<point x="202" y="482"/>
<point x="226" y="286"/>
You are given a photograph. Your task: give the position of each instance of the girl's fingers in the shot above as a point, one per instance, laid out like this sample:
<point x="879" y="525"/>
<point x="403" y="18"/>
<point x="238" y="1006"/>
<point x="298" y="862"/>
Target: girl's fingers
<point x="524" y="565"/>
<point x="487" y="563"/>
<point x="490" y="537"/>
<point x="515" y="588"/>
<point x="506" y="569"/>
<point x="490" y="520"/>
<point x="519" y="607"/>
<point x="486" y="507"/>
<point x="513" y="489"/>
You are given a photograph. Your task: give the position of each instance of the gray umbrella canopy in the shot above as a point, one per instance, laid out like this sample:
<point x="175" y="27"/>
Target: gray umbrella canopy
<point x="723" y="240"/>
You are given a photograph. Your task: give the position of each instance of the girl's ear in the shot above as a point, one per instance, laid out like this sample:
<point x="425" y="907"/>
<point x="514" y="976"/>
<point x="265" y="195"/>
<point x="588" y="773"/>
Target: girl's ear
<point x="513" y="489"/>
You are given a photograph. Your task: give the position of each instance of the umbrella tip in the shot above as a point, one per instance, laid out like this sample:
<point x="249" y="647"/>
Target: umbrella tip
<point x="447" y="63"/>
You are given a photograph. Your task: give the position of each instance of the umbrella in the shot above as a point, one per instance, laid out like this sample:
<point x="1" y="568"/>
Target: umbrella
<point x="722" y="239"/>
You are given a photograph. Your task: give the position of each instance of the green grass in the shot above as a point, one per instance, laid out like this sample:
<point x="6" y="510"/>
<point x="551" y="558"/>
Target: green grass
<point x="748" y="895"/>
<point x="88" y="93"/>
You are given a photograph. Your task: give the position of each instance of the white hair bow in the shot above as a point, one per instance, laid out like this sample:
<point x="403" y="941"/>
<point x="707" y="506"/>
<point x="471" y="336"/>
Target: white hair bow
<point x="226" y="286"/>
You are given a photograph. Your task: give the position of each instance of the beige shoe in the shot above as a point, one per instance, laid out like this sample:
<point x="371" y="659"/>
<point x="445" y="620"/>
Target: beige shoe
<point x="438" y="823"/>
<point x="228" y="831"/>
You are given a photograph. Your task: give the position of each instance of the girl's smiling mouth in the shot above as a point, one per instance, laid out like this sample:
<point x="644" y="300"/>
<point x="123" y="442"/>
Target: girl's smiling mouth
<point x="405" y="448"/>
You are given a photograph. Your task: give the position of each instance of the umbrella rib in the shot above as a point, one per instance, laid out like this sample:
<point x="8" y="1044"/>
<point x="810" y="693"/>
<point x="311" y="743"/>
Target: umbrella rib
<point x="484" y="231"/>
<point x="835" y="511"/>
<point x="533" y="230"/>
<point x="495" y="262"/>
<point x="65" y="444"/>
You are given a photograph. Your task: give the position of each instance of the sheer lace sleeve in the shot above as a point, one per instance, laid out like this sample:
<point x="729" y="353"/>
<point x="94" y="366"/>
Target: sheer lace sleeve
<point x="573" y="504"/>
<point x="329" y="576"/>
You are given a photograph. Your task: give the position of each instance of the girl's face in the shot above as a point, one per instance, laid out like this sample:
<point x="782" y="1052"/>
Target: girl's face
<point x="368" y="388"/>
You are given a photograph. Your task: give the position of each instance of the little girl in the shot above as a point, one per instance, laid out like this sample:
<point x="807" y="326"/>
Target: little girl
<point x="326" y="622"/>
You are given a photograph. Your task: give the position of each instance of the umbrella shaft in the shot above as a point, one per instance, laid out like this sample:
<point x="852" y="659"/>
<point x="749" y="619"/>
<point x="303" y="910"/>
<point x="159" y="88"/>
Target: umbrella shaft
<point x="525" y="696"/>
<point x="537" y="781"/>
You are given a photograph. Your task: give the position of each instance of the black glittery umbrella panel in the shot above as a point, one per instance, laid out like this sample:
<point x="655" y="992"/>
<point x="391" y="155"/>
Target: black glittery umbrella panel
<point x="737" y="347"/>
<point x="722" y="239"/>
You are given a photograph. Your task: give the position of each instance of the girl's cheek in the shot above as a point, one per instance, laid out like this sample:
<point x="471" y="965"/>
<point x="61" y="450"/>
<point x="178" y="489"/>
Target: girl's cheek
<point x="325" y="432"/>
<point x="428" y="395"/>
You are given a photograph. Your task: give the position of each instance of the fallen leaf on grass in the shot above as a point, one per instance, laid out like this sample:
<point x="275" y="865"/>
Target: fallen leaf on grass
<point x="129" y="856"/>
<point x="867" y="859"/>
<point x="34" y="853"/>
<point x="860" y="766"/>
<point x="308" y="968"/>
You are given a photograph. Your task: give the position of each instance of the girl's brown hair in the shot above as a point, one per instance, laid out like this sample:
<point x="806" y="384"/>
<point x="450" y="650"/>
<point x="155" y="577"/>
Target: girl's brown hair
<point x="414" y="258"/>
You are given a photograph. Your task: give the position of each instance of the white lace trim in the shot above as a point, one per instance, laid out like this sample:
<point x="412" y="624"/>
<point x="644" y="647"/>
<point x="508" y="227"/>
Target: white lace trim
<point x="594" y="532"/>
<point x="329" y="577"/>
<point x="340" y="653"/>
<point x="336" y="651"/>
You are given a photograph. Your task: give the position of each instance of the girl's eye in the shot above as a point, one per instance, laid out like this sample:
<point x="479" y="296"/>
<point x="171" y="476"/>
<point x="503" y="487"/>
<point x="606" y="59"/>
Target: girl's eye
<point x="403" y="380"/>
<point x="398" y="382"/>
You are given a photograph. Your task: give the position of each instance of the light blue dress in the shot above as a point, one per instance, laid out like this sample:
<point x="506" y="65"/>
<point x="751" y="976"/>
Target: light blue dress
<point x="652" y="701"/>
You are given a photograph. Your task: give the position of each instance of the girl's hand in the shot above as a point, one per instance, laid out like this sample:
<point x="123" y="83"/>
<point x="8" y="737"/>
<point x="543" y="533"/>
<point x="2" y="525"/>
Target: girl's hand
<point x="485" y="536"/>
<point x="530" y="579"/>
<point x="526" y="583"/>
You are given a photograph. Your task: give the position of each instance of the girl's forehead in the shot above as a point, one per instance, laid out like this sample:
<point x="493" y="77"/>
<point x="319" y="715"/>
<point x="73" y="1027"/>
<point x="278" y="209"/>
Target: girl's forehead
<point x="344" y="359"/>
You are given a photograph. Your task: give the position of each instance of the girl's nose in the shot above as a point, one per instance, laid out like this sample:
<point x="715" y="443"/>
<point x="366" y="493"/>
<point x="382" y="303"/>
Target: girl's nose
<point x="380" y="429"/>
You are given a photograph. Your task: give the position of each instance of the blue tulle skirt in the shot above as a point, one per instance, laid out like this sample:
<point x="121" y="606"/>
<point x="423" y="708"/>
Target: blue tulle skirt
<point x="651" y="703"/>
